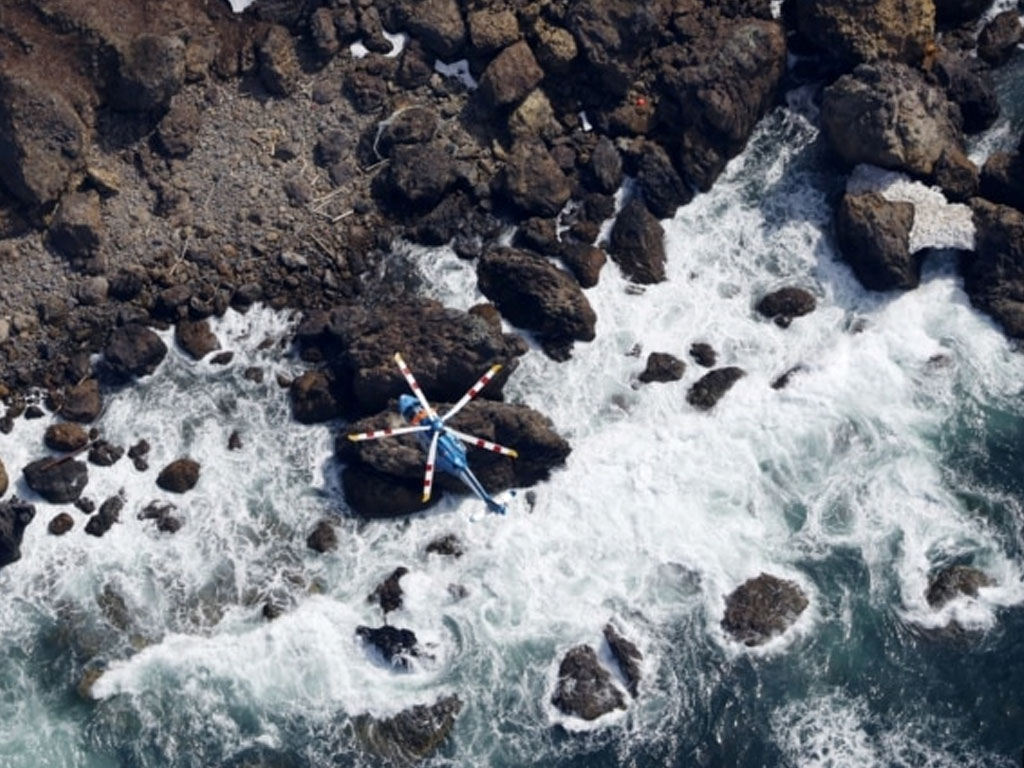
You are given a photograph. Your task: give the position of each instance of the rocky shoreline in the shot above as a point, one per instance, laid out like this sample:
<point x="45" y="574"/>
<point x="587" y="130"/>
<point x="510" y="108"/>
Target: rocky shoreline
<point x="158" y="170"/>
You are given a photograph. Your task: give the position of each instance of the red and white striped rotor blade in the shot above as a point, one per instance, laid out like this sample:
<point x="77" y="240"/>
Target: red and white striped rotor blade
<point x="487" y="445"/>
<point x="428" y="477"/>
<point x="414" y="386"/>
<point x="376" y="434"/>
<point x="473" y="392"/>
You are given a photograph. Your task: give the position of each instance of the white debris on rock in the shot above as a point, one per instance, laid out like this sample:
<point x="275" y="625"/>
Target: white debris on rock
<point x="240" y="5"/>
<point x="358" y="50"/>
<point x="397" y="40"/>
<point x="457" y="69"/>
<point x="938" y="223"/>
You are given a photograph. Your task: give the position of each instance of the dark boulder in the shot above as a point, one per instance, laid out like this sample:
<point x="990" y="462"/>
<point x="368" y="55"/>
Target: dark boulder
<point x="1002" y="179"/>
<point x="492" y="29"/>
<point x="627" y="656"/>
<point x="388" y="594"/>
<point x="448" y="545"/>
<point x="3" y="480"/>
<point x="41" y="142"/>
<point x="323" y="538"/>
<point x="412" y="125"/>
<point x="77" y="226"/>
<point x="956" y="175"/>
<point x="279" y="65"/>
<point x="637" y="244"/>
<point x="873" y="236"/>
<point x="447" y="350"/>
<point x="437" y="24"/>
<point x="762" y="608"/>
<point x="605" y="167"/>
<point x="968" y="84"/>
<point x="419" y="175"/>
<point x="134" y="350"/>
<point x="413" y="734"/>
<point x="176" y="133"/>
<point x="534" y="294"/>
<point x="394" y="644"/>
<point x="584" y="261"/>
<point x="15" y="515"/>
<point x="105" y="454"/>
<point x="710" y="388"/>
<point x="953" y="581"/>
<point x="196" y="338"/>
<point x="313" y="399"/>
<point x="999" y="39"/>
<point x="703" y="354"/>
<point x="584" y="688"/>
<point x="994" y="273"/>
<point x="179" y="476"/>
<point x="785" y="304"/>
<point x="60" y="524"/>
<point x="887" y="115"/>
<point x="58" y="481"/>
<point x="511" y="75"/>
<point x="854" y="32"/>
<point x="65" y="436"/>
<point x="150" y="70"/>
<point x="954" y="12"/>
<point x="662" y="366"/>
<point x="383" y="478"/>
<point x="661" y="187"/>
<point x="533" y="181"/>
<point x="82" y="402"/>
<point x="108" y="514"/>
<point x="324" y="34"/>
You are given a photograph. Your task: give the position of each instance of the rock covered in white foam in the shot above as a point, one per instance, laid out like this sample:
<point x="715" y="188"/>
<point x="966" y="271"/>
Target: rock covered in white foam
<point x="937" y="222"/>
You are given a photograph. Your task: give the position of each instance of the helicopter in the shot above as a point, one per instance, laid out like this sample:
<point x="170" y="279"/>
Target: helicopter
<point x="444" y="445"/>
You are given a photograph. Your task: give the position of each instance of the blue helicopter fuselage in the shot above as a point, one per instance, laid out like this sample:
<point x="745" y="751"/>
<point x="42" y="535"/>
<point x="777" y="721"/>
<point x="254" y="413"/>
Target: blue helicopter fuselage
<point x="451" y="454"/>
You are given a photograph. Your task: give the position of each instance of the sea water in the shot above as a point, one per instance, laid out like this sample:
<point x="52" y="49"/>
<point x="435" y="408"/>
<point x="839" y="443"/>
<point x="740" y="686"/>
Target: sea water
<point x="894" y="450"/>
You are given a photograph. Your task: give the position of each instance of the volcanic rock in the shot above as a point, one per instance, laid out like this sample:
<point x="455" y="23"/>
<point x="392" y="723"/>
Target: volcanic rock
<point x="605" y="168"/>
<point x="899" y="30"/>
<point x="761" y="608"/>
<point x="994" y="273"/>
<point x="511" y="75"/>
<point x="957" y="176"/>
<point x="1002" y="179"/>
<point x="375" y="495"/>
<point x="785" y="304"/>
<point x="661" y="187"/>
<point x="710" y="388"/>
<point x="15" y="515"/>
<point x="584" y="261"/>
<point x="65" y="437"/>
<point x="420" y="175"/>
<point x="413" y="734"/>
<point x="637" y="244"/>
<point x="394" y="644"/>
<point x="437" y="24"/>
<point x="60" y="524"/>
<point x="323" y="538"/>
<point x="533" y="181"/>
<point x="662" y="366"/>
<point x="196" y="338"/>
<point x="968" y="84"/>
<point x="109" y="513"/>
<point x="887" y="115"/>
<point x="150" y="70"/>
<point x="954" y="12"/>
<point x="584" y="687"/>
<point x="703" y="354"/>
<point x="105" y="454"/>
<point x="534" y="294"/>
<point x="312" y="398"/>
<point x="56" y="480"/>
<point x="412" y="125"/>
<point x="279" y="66"/>
<point x="627" y="655"/>
<point x="492" y="29"/>
<point x="999" y="39"/>
<point x="134" y="350"/>
<point x="389" y="592"/>
<point x="41" y="141"/>
<point x="77" y="227"/>
<point x="3" y="480"/>
<point x="448" y="544"/>
<point x="323" y="33"/>
<point x="873" y="235"/>
<point x="179" y="476"/>
<point x="177" y="130"/>
<point x="955" y="580"/>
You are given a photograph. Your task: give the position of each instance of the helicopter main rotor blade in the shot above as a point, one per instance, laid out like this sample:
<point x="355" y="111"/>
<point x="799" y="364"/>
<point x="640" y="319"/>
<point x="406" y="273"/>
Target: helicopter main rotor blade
<point x="487" y="445"/>
<point x="414" y="386"/>
<point x="472" y="392"/>
<point x="376" y="434"/>
<point x="428" y="477"/>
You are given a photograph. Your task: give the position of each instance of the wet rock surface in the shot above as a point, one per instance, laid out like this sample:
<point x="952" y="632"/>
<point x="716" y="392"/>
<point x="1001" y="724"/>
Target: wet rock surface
<point x="15" y="515"/>
<point x="411" y="735"/>
<point x="627" y="655"/>
<point x="662" y="366"/>
<point x="388" y="594"/>
<point x="585" y="688"/>
<point x="395" y="645"/>
<point x="994" y="272"/>
<point x="712" y="386"/>
<point x="785" y="304"/>
<point x="874" y="237"/>
<point x="953" y="581"/>
<point x="323" y="538"/>
<point x="762" y="608"/>
<point x="179" y="476"/>
<point x="58" y="481"/>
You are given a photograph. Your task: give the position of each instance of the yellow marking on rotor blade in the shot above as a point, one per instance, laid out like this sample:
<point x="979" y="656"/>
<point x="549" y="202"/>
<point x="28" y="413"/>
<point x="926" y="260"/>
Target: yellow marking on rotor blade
<point x="513" y="454"/>
<point x="353" y="438"/>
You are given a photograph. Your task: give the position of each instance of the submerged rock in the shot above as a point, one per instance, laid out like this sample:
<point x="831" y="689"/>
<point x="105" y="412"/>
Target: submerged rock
<point x="704" y="354"/>
<point x="388" y="594"/>
<point x="449" y="545"/>
<point x="411" y="735"/>
<point x="15" y="515"/>
<point x="761" y="608"/>
<point x="953" y="581"/>
<point x="323" y="538"/>
<point x="627" y="655"/>
<point x="710" y="388"/>
<point x="394" y="644"/>
<point x="662" y="367"/>
<point x="584" y="688"/>
<point x="58" y="481"/>
<point x="109" y="513"/>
